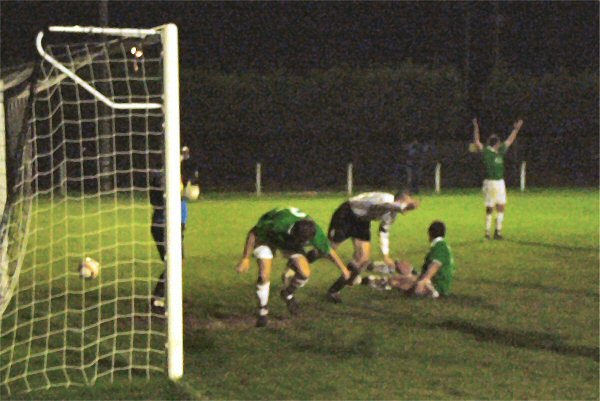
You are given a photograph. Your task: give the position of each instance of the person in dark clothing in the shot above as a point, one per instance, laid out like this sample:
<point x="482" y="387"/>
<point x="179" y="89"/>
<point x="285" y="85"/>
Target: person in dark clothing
<point x="414" y="165"/>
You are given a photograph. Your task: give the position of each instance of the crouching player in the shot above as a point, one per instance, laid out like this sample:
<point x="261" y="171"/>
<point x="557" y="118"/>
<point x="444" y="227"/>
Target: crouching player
<point x="289" y="230"/>
<point x="352" y="219"/>
<point x="436" y="275"/>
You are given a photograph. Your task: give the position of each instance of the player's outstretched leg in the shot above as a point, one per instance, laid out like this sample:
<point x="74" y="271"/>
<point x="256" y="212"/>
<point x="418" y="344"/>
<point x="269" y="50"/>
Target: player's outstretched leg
<point x="299" y="264"/>
<point x="333" y="294"/>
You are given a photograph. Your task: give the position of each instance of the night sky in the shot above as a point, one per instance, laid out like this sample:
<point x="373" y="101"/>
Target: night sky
<point x="532" y="37"/>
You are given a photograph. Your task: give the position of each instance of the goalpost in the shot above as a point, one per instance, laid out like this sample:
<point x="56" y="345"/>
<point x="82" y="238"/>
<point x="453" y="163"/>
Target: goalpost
<point x="57" y="156"/>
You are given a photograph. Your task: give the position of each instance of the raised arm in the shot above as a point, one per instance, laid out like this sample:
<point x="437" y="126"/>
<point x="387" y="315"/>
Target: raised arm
<point x="476" y="136"/>
<point x="513" y="135"/>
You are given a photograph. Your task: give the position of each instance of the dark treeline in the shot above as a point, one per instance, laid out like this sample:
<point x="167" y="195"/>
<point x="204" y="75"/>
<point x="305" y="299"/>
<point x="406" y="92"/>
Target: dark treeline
<point x="304" y="129"/>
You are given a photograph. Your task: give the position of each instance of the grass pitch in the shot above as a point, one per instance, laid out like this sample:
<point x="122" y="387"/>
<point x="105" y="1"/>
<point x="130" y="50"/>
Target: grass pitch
<point x="522" y="322"/>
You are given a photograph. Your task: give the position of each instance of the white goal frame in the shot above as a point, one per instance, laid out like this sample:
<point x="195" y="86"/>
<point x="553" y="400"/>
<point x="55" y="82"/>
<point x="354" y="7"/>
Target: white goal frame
<point x="170" y="106"/>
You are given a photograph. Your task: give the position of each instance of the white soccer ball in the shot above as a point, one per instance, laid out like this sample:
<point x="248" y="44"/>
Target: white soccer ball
<point x="89" y="268"/>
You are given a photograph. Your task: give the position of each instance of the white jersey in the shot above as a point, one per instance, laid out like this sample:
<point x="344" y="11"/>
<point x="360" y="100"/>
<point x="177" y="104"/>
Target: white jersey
<point x="367" y="206"/>
<point x="377" y="206"/>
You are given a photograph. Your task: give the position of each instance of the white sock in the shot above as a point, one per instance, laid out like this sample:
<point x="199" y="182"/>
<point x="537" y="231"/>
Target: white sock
<point x="262" y="292"/>
<point x="488" y="223"/>
<point x="499" y="220"/>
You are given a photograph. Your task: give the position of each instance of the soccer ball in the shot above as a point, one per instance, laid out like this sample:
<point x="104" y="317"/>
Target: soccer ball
<point x="89" y="268"/>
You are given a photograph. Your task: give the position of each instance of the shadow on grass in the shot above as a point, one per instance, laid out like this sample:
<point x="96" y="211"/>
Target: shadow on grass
<point x="553" y="246"/>
<point x="520" y="339"/>
<point x="364" y="343"/>
<point x="532" y="286"/>
<point x="465" y="300"/>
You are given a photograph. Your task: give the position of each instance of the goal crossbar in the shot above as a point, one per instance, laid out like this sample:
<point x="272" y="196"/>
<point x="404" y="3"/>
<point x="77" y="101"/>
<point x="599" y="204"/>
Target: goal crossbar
<point x="126" y="32"/>
<point x="113" y="105"/>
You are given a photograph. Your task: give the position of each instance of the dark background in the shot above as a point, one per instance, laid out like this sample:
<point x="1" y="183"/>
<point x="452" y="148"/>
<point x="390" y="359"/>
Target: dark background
<point x="536" y="36"/>
<point x="306" y="87"/>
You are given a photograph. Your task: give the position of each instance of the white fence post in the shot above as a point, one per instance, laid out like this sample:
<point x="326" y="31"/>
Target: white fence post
<point x="523" y="173"/>
<point x="258" y="174"/>
<point x="349" y="179"/>
<point x="438" y="177"/>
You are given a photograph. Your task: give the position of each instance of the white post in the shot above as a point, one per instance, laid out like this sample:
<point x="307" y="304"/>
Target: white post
<point x="349" y="179"/>
<point x="523" y="172"/>
<point x="258" y="173"/>
<point x="173" y="202"/>
<point x="438" y="177"/>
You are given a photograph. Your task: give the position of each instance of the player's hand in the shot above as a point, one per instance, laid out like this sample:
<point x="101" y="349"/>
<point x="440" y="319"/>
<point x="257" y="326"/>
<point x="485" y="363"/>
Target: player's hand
<point x="518" y="124"/>
<point x="420" y="288"/>
<point x="243" y="266"/>
<point x="389" y="262"/>
<point x="346" y="273"/>
<point x="475" y="122"/>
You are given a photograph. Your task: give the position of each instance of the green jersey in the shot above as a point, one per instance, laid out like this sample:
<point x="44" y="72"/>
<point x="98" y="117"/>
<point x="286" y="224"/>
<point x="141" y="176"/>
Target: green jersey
<point x="441" y="253"/>
<point x="494" y="162"/>
<point x="274" y="228"/>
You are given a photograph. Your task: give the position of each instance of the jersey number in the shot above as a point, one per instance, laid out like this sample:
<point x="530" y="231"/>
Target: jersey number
<point x="296" y="212"/>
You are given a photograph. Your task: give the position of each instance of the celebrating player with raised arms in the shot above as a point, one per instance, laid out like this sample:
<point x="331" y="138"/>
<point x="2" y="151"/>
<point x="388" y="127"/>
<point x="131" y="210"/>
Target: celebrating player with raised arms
<point x="494" y="188"/>
<point x="353" y="220"/>
<point x="289" y="230"/>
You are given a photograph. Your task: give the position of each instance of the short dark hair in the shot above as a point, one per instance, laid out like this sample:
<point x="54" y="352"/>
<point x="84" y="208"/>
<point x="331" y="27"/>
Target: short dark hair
<point x="304" y="230"/>
<point x="437" y="229"/>
<point x="493" y="140"/>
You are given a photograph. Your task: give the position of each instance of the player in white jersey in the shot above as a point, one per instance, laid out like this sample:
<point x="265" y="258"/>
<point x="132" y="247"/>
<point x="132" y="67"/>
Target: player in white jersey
<point x="352" y="219"/>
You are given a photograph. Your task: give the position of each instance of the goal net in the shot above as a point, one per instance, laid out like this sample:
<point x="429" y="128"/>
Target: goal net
<point x="85" y="133"/>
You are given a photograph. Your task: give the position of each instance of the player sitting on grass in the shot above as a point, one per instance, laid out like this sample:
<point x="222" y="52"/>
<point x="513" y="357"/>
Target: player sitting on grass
<point x="402" y="278"/>
<point x="436" y="275"/>
<point x="352" y="219"/>
<point x="290" y="230"/>
<point x="494" y="188"/>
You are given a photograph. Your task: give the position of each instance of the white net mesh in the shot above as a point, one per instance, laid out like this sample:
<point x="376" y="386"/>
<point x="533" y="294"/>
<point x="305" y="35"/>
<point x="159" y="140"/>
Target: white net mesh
<point x="81" y="189"/>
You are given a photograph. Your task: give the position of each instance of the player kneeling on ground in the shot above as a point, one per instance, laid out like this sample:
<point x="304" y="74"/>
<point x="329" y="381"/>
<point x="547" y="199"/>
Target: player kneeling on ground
<point x="289" y="230"/>
<point x="436" y="275"/>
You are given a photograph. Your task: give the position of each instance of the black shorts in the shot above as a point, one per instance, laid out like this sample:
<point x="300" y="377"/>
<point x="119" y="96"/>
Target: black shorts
<point x="345" y="224"/>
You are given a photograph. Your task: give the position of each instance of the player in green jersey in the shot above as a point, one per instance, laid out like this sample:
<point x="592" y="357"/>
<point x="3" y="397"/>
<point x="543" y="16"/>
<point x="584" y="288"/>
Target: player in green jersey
<point x="289" y="230"/>
<point x="436" y="274"/>
<point x="494" y="187"/>
<point x="439" y="266"/>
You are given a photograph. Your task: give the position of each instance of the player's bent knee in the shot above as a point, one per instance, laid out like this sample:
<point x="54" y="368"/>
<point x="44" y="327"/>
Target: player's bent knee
<point x="299" y="263"/>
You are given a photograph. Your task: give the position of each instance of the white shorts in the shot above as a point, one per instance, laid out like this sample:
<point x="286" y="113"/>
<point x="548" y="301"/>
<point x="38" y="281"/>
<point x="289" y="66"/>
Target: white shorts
<point x="494" y="192"/>
<point x="263" y="252"/>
